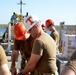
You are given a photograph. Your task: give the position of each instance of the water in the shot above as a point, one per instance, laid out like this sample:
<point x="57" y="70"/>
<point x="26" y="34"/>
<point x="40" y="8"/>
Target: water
<point x="49" y="32"/>
<point x="2" y="31"/>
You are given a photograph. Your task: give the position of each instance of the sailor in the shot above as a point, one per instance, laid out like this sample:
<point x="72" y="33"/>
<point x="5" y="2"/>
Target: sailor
<point x="23" y="43"/>
<point x="13" y="19"/>
<point x="43" y="55"/>
<point x="43" y="27"/>
<point x="54" y="34"/>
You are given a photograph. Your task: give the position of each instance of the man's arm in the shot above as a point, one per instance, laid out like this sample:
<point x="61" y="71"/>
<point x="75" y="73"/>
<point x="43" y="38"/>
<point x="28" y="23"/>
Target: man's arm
<point x="31" y="63"/>
<point x="14" y="58"/>
<point x="67" y="71"/>
<point x="4" y="70"/>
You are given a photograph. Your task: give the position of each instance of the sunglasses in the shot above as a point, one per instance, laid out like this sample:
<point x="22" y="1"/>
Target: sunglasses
<point x="50" y="25"/>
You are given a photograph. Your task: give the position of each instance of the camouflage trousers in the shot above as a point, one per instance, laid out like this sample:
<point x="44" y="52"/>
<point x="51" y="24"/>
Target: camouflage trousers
<point x="34" y="72"/>
<point x="56" y="73"/>
<point x="37" y="73"/>
<point x="23" y="63"/>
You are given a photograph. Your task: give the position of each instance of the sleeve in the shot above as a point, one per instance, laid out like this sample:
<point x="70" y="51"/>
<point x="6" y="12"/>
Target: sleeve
<point x="3" y="58"/>
<point x="56" y="38"/>
<point x="16" y="44"/>
<point x="72" y="62"/>
<point x="37" y="48"/>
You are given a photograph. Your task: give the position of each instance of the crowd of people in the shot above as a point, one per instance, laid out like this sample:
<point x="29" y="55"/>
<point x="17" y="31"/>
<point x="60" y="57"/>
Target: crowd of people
<point x="38" y="49"/>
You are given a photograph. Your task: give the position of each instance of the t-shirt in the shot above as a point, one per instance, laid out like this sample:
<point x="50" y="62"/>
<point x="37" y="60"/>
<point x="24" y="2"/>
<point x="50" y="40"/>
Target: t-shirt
<point x="3" y="58"/>
<point x="46" y="47"/>
<point x="25" y="46"/>
<point x="54" y="34"/>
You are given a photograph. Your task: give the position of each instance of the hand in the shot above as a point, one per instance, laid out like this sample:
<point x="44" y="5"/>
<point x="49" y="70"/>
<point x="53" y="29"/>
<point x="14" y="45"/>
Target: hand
<point x="14" y="71"/>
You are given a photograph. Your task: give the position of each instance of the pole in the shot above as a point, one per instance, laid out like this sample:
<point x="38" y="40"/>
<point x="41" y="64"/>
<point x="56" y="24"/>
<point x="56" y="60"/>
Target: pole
<point x="21" y="3"/>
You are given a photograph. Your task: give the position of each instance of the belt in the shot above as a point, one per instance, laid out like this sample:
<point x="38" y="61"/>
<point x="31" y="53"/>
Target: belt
<point x="55" y="73"/>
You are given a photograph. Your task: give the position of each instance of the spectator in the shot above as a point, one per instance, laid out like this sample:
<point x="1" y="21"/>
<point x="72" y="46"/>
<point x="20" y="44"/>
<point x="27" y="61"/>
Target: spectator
<point x="54" y="34"/>
<point x="43" y="27"/>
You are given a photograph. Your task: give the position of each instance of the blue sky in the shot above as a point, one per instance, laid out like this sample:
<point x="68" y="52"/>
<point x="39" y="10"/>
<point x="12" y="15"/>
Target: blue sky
<point x="57" y="10"/>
